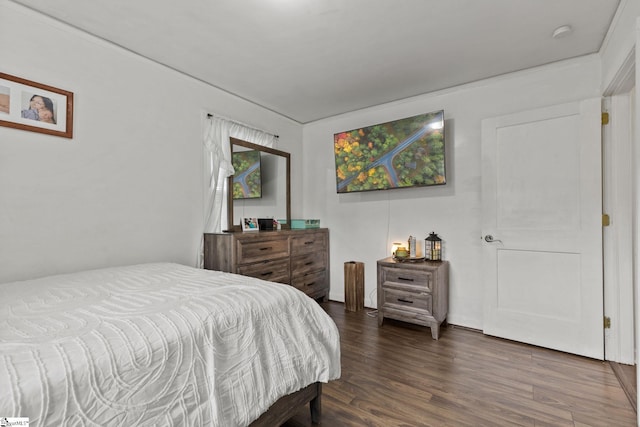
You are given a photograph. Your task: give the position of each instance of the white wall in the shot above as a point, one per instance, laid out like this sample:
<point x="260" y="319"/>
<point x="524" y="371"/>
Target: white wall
<point x="363" y="225"/>
<point x="128" y="187"/>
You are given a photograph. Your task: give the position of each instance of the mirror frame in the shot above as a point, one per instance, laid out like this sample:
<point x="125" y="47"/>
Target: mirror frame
<point x="268" y="150"/>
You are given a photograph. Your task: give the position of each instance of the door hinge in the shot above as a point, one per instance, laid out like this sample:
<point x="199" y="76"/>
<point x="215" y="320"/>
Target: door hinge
<point x="605" y="119"/>
<point x="606" y="220"/>
<point x="607" y="322"/>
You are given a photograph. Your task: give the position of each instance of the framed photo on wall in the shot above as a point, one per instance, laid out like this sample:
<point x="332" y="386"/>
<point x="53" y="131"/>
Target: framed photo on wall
<point x="250" y="224"/>
<point x="35" y="107"/>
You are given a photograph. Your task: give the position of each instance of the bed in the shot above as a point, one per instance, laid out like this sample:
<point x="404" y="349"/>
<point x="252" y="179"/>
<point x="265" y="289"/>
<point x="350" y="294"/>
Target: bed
<point x="161" y="344"/>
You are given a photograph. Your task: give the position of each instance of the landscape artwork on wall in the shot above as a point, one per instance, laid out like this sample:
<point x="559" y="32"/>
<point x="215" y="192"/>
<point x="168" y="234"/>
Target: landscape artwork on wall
<point x="247" y="179"/>
<point x="403" y="153"/>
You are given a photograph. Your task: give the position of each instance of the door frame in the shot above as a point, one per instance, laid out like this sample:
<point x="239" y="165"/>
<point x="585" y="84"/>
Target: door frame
<point x="618" y="202"/>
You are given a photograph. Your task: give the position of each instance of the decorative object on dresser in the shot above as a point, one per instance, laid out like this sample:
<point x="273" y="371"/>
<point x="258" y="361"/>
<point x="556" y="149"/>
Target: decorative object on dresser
<point x="401" y="253"/>
<point x="299" y="258"/>
<point x="433" y="247"/>
<point x="416" y="292"/>
<point x="250" y="224"/>
<point x="394" y="247"/>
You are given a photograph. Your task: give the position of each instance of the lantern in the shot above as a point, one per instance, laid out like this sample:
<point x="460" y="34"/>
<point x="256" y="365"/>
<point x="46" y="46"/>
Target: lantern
<point x="433" y="247"/>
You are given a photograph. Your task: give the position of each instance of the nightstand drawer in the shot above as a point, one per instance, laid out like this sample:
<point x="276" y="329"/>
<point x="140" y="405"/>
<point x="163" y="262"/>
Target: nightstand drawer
<point x="308" y="243"/>
<point x="417" y="278"/>
<point x="273" y="271"/>
<point x="397" y="298"/>
<point x="260" y="250"/>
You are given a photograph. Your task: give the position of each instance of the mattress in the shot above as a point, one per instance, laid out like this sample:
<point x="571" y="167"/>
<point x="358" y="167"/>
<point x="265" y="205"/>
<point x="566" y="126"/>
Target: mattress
<point x="157" y="344"/>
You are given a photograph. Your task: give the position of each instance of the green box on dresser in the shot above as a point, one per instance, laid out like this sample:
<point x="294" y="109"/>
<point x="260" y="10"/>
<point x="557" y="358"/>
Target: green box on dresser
<point x="299" y="258"/>
<point x="414" y="292"/>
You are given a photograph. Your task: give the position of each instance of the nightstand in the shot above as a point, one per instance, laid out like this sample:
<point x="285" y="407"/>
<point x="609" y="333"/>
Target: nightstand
<point x="414" y="291"/>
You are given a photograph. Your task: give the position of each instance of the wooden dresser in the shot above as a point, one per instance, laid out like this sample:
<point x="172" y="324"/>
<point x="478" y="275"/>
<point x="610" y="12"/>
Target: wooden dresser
<point x="296" y="257"/>
<point x="415" y="292"/>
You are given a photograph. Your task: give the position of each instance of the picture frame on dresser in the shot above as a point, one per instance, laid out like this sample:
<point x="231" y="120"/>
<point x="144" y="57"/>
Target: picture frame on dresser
<point x="250" y="224"/>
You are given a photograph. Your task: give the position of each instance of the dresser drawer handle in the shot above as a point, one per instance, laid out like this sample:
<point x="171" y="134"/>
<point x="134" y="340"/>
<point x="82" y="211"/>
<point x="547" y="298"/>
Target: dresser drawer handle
<point x="268" y="248"/>
<point x="405" y="300"/>
<point x="309" y="243"/>
<point x="310" y="284"/>
<point x="308" y="263"/>
<point x="405" y="279"/>
<point x="269" y="273"/>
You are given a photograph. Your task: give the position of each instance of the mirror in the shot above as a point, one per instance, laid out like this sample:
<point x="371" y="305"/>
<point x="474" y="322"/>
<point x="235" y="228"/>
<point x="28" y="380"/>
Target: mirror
<point x="275" y="200"/>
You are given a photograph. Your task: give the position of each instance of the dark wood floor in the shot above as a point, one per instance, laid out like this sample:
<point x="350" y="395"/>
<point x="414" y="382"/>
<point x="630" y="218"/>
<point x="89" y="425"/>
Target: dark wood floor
<point x="398" y="376"/>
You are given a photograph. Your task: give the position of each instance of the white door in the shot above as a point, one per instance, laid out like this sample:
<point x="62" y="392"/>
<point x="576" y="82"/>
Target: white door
<point x="542" y="227"/>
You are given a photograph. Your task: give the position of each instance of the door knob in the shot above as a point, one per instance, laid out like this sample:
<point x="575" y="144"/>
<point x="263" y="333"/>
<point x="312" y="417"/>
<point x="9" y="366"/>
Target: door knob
<point x="489" y="239"/>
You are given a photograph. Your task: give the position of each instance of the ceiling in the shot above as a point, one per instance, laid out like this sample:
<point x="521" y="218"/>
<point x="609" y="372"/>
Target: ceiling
<point x="312" y="59"/>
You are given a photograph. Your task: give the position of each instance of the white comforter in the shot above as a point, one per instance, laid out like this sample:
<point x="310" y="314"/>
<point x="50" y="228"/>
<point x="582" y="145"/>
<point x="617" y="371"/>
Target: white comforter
<point x="157" y="344"/>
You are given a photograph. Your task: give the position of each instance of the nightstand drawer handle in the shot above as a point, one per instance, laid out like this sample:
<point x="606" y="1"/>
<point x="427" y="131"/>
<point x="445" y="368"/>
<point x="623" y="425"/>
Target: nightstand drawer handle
<point x="405" y="279"/>
<point x="309" y="243"/>
<point x="268" y="248"/>
<point x="310" y="284"/>
<point x="269" y="273"/>
<point x="405" y="300"/>
<point x="308" y="263"/>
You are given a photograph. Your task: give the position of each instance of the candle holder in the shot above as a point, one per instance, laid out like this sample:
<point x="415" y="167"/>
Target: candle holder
<point x="401" y="253"/>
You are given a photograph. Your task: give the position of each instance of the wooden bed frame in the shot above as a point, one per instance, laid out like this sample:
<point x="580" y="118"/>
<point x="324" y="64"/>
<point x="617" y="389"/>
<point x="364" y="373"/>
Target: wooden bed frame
<point x="287" y="406"/>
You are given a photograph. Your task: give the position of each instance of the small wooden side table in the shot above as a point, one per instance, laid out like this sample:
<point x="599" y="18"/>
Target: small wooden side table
<point x="414" y="291"/>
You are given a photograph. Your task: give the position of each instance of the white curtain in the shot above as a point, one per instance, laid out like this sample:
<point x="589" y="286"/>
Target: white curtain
<point x="217" y="167"/>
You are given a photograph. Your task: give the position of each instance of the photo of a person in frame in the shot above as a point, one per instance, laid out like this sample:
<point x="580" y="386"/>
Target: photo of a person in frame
<point x="5" y="99"/>
<point x="40" y="108"/>
<point x="46" y="112"/>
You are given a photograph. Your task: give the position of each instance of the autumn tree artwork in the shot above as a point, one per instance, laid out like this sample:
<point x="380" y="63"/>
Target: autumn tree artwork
<point x="247" y="179"/>
<point x="404" y="153"/>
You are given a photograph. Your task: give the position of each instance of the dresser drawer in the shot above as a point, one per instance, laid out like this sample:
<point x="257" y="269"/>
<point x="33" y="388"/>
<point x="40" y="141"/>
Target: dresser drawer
<point x="311" y="283"/>
<point x="418" y="278"/>
<point x="305" y="264"/>
<point x="407" y="300"/>
<point x="250" y="251"/>
<point x="273" y="271"/>
<point x="308" y="243"/>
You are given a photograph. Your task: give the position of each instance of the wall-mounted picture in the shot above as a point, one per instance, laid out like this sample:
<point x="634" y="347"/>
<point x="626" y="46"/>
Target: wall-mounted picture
<point x="403" y="153"/>
<point x="250" y="224"/>
<point x="247" y="180"/>
<point x="5" y="99"/>
<point x="35" y="107"/>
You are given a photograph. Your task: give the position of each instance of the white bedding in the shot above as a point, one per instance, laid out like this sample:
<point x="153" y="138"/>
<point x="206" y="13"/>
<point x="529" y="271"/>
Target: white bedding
<point x="157" y="344"/>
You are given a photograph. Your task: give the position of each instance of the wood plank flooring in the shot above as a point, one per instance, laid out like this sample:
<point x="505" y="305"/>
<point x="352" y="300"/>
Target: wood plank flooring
<point x="397" y="375"/>
<point x="626" y="375"/>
